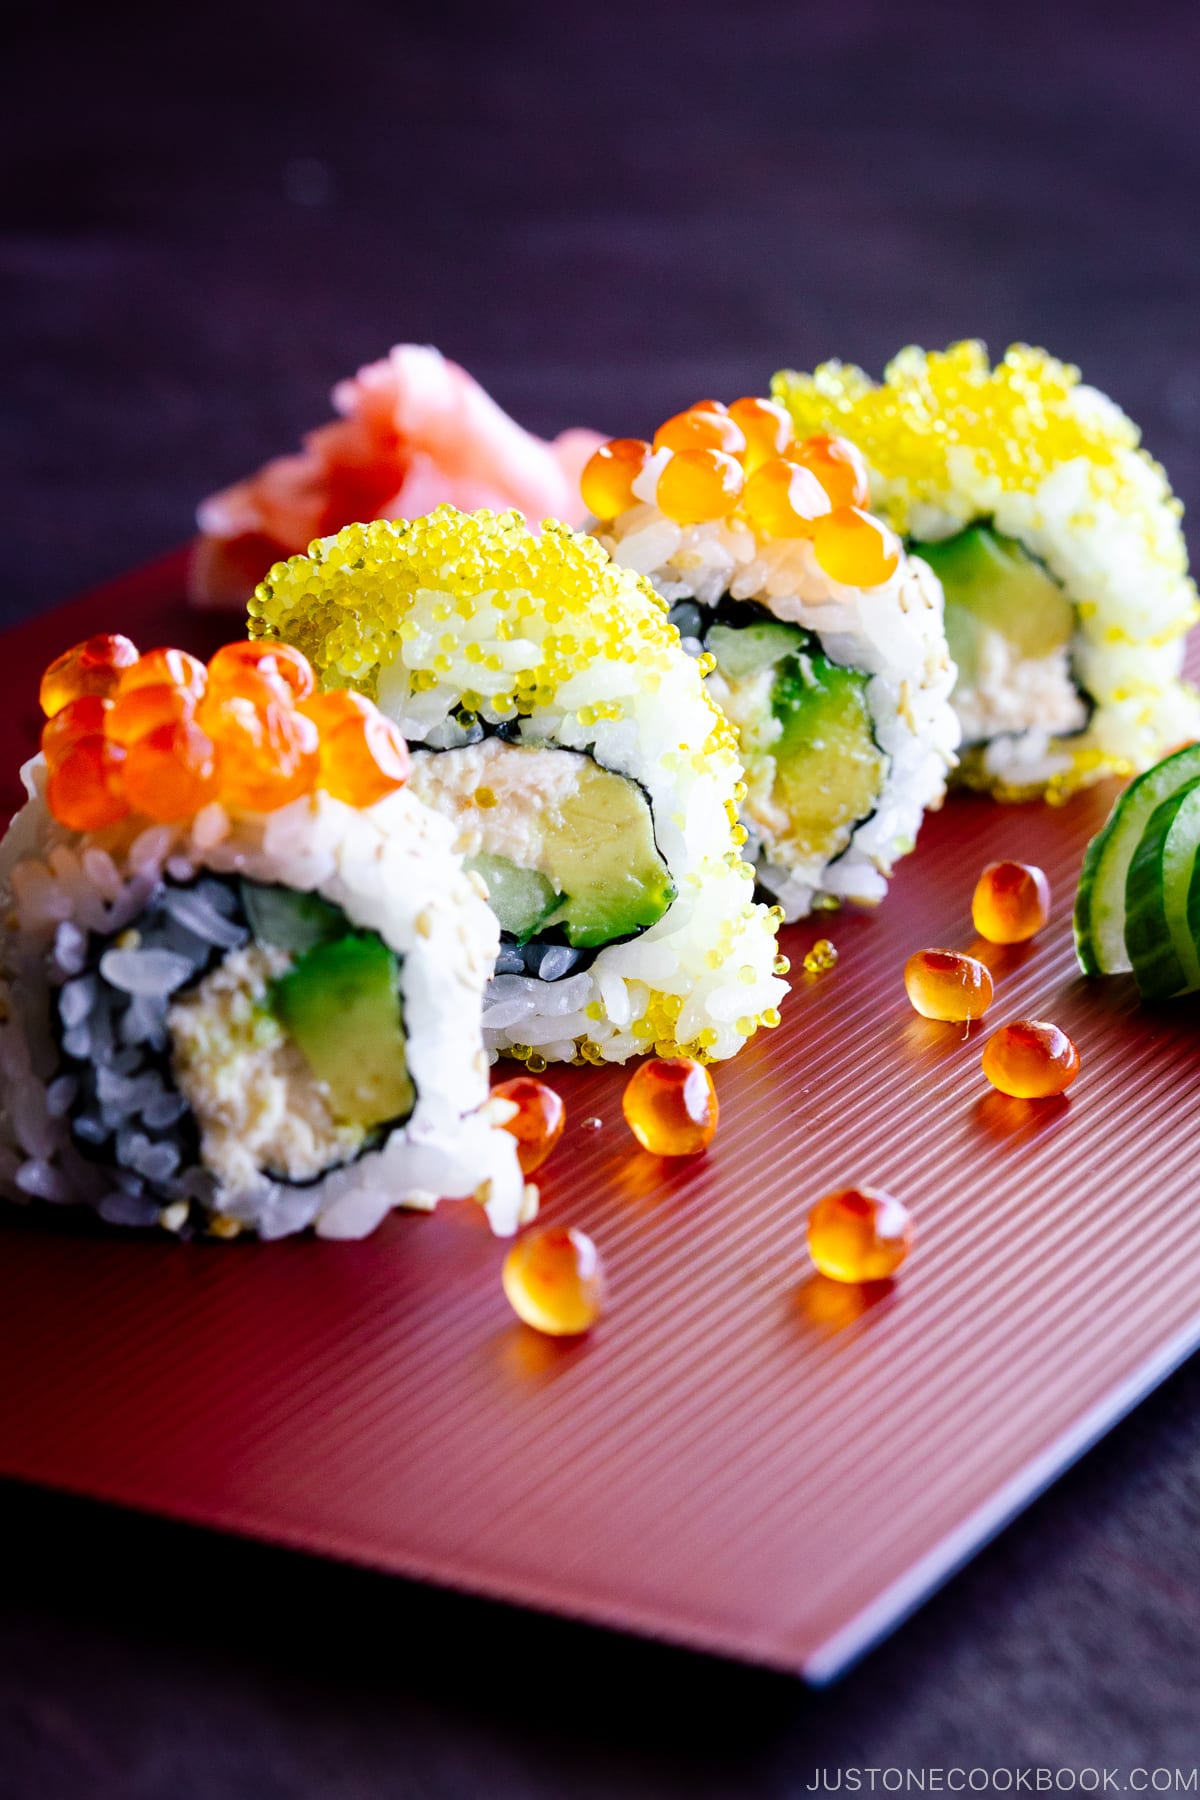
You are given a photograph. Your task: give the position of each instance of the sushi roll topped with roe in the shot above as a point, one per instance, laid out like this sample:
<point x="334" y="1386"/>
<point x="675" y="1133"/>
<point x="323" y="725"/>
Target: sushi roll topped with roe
<point x="1057" y="540"/>
<point x="243" y="973"/>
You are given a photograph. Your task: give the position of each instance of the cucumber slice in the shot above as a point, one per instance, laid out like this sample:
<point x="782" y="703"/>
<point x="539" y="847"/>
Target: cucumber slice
<point x="289" y="919"/>
<point x="1161" y="948"/>
<point x="743" y="650"/>
<point x="521" y="899"/>
<point x="1100" y="900"/>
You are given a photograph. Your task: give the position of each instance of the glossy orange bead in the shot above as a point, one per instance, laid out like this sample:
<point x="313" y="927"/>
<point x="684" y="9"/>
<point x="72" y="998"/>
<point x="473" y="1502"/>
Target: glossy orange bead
<point x="699" y="484"/>
<point x="606" y="484"/>
<point x="165" y="668"/>
<point x="268" y="754"/>
<point x="93" y="667"/>
<point x="1011" y="902"/>
<point x="1030" y="1059"/>
<point x="766" y="428"/>
<point x="856" y="548"/>
<point x="80" y="718"/>
<point x="701" y="428"/>
<point x="781" y="499"/>
<point x="671" y="1107"/>
<point x="85" y="791"/>
<point x="538" y="1121"/>
<point x="838" y="465"/>
<point x="554" y="1281"/>
<point x="144" y="709"/>
<point x="284" y="669"/>
<point x="944" y="984"/>
<point x="859" y="1234"/>
<point x="171" y="772"/>
<point x="363" y="760"/>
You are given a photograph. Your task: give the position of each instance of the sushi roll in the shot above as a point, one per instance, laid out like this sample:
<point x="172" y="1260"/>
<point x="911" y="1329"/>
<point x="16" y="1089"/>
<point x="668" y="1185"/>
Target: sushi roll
<point x="241" y="981"/>
<point x="1058" y="544"/>
<point x="823" y="639"/>
<point x="592" y="783"/>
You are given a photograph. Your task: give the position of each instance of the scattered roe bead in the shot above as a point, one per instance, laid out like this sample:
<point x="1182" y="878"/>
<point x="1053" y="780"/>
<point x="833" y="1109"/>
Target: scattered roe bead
<point x="859" y="1234"/>
<point x="93" y="667"/>
<point x="80" y="718"/>
<point x="538" y="1121"/>
<point x="671" y="1107"/>
<point x="85" y="791"/>
<point x="608" y="477"/>
<point x="363" y="756"/>
<point x="838" y="465"/>
<point x="766" y="427"/>
<point x="238" y="668"/>
<point x="821" y="957"/>
<point x="701" y="428"/>
<point x="856" y="548"/>
<point x="171" y="772"/>
<point x="165" y="668"/>
<point x="554" y="1281"/>
<point x="944" y="984"/>
<point x="1011" y="902"/>
<point x="1030" y="1059"/>
<point x="783" y="500"/>
<point x="699" y="484"/>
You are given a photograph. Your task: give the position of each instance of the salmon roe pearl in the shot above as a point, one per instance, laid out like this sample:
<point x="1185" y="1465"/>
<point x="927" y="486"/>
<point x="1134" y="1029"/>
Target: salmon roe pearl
<point x="608" y="477"/>
<point x="783" y="500"/>
<point x="165" y="668"/>
<point x="859" y="1234"/>
<point x="838" y="465"/>
<point x="943" y="984"/>
<point x="856" y="548"/>
<point x="701" y="428"/>
<point x="1030" y="1059"/>
<point x="554" y="1281"/>
<point x="268" y="754"/>
<point x="85" y="790"/>
<point x="93" y="667"/>
<point x="144" y="709"/>
<point x="671" y="1107"/>
<point x="171" y="772"/>
<point x="80" y="718"/>
<point x="283" y="669"/>
<point x="1011" y="902"/>
<point x="766" y="427"/>
<point x="698" y="485"/>
<point x="538" y="1121"/>
<point x="364" y="759"/>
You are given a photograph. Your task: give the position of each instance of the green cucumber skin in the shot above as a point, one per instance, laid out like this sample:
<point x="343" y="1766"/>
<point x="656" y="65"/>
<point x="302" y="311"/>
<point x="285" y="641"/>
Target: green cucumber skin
<point x="1157" y="965"/>
<point x="1100" y="899"/>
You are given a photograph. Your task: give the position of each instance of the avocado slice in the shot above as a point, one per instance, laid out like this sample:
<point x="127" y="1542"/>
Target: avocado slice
<point x="598" y="851"/>
<point x="521" y="899"/>
<point x="829" y="770"/>
<point x="341" y="1004"/>
<point x="992" y="583"/>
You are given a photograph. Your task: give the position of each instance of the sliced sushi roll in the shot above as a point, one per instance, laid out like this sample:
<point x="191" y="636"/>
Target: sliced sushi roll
<point x="1058" y="544"/>
<point x="591" y="782"/>
<point x="823" y="640"/>
<point x="242" y="980"/>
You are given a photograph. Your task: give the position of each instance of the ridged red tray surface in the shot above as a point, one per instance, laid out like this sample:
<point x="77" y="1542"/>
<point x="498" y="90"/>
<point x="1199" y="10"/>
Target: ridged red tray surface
<point x="743" y="1457"/>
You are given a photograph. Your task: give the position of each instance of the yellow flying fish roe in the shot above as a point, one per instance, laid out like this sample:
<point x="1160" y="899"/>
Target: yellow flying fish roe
<point x="474" y="611"/>
<point x="1057" y="465"/>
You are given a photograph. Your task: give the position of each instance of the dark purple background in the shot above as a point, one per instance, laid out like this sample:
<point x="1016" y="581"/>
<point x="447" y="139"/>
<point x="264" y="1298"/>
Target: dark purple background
<point x="208" y="215"/>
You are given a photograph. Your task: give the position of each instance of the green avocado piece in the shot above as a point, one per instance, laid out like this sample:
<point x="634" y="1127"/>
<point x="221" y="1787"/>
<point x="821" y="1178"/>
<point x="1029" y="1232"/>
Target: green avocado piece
<point x="829" y="770"/>
<point x="993" y="583"/>
<point x="521" y="899"/>
<point x="291" y="921"/>
<point x="743" y="650"/>
<point x="598" y="851"/>
<point x="341" y="1003"/>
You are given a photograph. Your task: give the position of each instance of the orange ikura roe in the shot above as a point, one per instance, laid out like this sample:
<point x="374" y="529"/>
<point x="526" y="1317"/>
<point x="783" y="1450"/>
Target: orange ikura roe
<point x="783" y="500"/>
<point x="671" y="1107"/>
<point x="1011" y="902"/>
<point x="554" y="1281"/>
<point x="703" y="427"/>
<point x="944" y="984"/>
<point x="538" y="1121"/>
<point x="160" y="736"/>
<point x="608" y="477"/>
<point x="1030" y="1059"/>
<point x="838" y="465"/>
<point x="856" y="548"/>
<point x="859" y="1234"/>
<point x="766" y="427"/>
<point x="699" y="484"/>
<point x="93" y="667"/>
